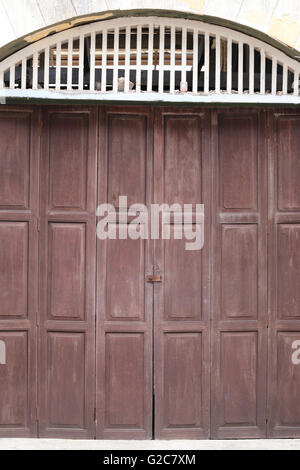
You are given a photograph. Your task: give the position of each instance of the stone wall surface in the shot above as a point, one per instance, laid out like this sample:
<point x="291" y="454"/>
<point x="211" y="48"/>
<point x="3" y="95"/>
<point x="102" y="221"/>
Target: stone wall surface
<point x="279" y="19"/>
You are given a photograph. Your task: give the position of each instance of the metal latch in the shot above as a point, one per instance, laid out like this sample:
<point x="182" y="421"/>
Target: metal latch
<point x="154" y="278"/>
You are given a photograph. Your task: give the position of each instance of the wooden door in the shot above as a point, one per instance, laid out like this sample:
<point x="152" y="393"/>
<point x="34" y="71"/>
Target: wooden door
<point x="67" y="273"/>
<point x="182" y="300"/>
<point x="19" y="152"/>
<point x="124" y="299"/>
<point x="284" y="278"/>
<point x="239" y="289"/>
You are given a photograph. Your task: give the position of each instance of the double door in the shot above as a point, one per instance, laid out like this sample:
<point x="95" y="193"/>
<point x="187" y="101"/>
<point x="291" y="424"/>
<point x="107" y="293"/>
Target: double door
<point x="92" y="348"/>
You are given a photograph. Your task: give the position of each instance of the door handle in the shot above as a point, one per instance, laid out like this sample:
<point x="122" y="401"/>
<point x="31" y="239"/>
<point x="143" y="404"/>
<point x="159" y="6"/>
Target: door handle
<point x="154" y="278"/>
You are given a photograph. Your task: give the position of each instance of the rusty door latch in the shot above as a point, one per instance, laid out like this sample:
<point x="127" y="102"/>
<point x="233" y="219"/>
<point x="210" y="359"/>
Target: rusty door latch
<point x="154" y="278"/>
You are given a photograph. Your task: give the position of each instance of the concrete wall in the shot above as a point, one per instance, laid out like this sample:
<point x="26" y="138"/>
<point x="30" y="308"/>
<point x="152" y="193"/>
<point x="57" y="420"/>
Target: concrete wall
<point x="279" y="19"/>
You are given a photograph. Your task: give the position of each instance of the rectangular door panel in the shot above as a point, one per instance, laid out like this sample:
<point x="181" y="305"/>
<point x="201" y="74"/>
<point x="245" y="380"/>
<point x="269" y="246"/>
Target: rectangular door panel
<point x="67" y="265"/>
<point x="124" y="381"/>
<point x="183" y="378"/>
<point x="15" y="159"/>
<point x="66" y="389"/>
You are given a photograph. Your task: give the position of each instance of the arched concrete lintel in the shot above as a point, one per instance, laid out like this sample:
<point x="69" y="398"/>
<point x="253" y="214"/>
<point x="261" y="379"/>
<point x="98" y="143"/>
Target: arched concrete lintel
<point x="24" y="41"/>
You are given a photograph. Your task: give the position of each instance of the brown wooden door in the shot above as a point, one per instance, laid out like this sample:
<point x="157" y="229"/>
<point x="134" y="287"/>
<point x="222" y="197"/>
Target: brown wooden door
<point x="239" y="289"/>
<point x="19" y="152"/>
<point x="182" y="300"/>
<point x="124" y="299"/>
<point x="67" y="273"/>
<point x="284" y="269"/>
<point x="102" y="353"/>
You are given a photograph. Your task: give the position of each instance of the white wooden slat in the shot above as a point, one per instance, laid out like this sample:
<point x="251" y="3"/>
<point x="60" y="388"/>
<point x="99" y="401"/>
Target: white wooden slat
<point x="251" y="69"/>
<point x="296" y="83"/>
<point x="161" y="59"/>
<point x="150" y="58"/>
<point x="81" y="63"/>
<point x="58" y="66"/>
<point x="127" y="58"/>
<point x="116" y="60"/>
<point x="12" y="73"/>
<point x="35" y="71"/>
<point x="172" y="60"/>
<point x="183" y="54"/>
<point x="218" y="63"/>
<point x="195" y="61"/>
<point x="206" y="63"/>
<point x="24" y="74"/>
<point x="138" y="59"/>
<point x="262" y="71"/>
<point x="274" y="76"/>
<point x="92" y="61"/>
<point x="104" y="60"/>
<point x="1" y="80"/>
<point x="240" y="68"/>
<point x="46" y="68"/>
<point x="229" y="66"/>
<point x="70" y="65"/>
<point x="284" y="79"/>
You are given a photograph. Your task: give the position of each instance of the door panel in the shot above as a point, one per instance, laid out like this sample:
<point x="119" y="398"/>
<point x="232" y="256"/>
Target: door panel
<point x="284" y="267"/>
<point x="239" y="317"/>
<point x="19" y="150"/>
<point x="181" y="301"/>
<point x="67" y="273"/>
<point x="124" y="299"/>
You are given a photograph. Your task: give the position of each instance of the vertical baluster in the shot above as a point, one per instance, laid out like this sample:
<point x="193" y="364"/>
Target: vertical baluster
<point x="241" y="68"/>
<point x="81" y="63"/>
<point x="296" y="83"/>
<point x="12" y="73"/>
<point x="24" y="74"/>
<point x="206" y="63"/>
<point x="104" y="60"/>
<point x="172" y="60"/>
<point x="229" y="66"/>
<point x="58" y="65"/>
<point x="262" y="72"/>
<point x="138" y="59"/>
<point x="1" y="80"/>
<point x="150" y="58"/>
<point x="195" y="61"/>
<point x="251" y="69"/>
<point x="284" y="79"/>
<point x="92" y="61"/>
<point x="70" y="65"/>
<point x="35" y="71"/>
<point x="161" y="59"/>
<point x="46" y="68"/>
<point x="274" y="76"/>
<point x="218" y="62"/>
<point x="116" y="60"/>
<point x="127" y="58"/>
<point x="183" y="56"/>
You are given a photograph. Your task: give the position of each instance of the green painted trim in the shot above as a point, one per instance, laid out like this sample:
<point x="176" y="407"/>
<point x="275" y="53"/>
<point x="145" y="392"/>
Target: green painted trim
<point x="45" y="101"/>
<point x="20" y="43"/>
